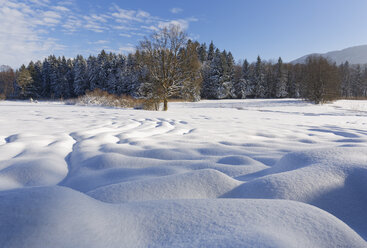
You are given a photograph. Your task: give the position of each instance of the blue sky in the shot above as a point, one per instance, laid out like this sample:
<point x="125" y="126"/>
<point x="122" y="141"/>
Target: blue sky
<point x="33" y="29"/>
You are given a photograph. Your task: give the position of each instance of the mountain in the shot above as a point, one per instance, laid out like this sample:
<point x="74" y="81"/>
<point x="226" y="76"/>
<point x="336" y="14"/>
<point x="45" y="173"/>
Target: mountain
<point x="354" y="55"/>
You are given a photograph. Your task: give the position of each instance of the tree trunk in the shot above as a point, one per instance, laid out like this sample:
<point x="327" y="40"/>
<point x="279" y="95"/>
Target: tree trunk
<point x="165" y="104"/>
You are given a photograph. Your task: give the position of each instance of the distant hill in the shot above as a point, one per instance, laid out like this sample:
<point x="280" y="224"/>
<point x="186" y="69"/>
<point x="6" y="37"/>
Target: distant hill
<point x="354" y="55"/>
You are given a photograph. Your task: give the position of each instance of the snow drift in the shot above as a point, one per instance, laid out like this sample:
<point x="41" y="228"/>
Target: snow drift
<point x="246" y="173"/>
<point x="61" y="217"/>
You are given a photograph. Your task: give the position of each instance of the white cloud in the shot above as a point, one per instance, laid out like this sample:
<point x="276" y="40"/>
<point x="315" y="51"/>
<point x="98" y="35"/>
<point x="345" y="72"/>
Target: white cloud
<point x="21" y="39"/>
<point x="27" y="27"/>
<point x="131" y="16"/>
<point x="126" y="49"/>
<point x="124" y="27"/>
<point x="40" y="2"/>
<point x="72" y="24"/>
<point x="151" y="28"/>
<point x="61" y="8"/>
<point x="176" y="10"/>
<point x="100" y="18"/>
<point x="138" y="34"/>
<point x="66" y="2"/>
<point x="98" y="42"/>
<point x="142" y="14"/>
<point x="183" y="24"/>
<point x="124" y="14"/>
<point x="95" y="23"/>
<point x="125" y="35"/>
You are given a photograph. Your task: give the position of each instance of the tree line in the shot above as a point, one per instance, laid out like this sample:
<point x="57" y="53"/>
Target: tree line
<point x="168" y="65"/>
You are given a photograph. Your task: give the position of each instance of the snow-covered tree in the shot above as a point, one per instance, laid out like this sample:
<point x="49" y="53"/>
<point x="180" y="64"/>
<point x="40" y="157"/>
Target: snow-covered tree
<point x="35" y="70"/>
<point x="171" y="66"/>
<point x="202" y="53"/>
<point x="280" y="80"/>
<point x="25" y="83"/>
<point x="241" y="85"/>
<point x="211" y="51"/>
<point x="258" y="80"/>
<point x="92" y="73"/>
<point x="80" y="76"/>
<point x="103" y="63"/>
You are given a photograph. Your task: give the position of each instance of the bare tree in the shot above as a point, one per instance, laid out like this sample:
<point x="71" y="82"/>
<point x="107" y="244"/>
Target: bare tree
<point x="7" y="78"/>
<point x="322" y="80"/>
<point x="171" y="65"/>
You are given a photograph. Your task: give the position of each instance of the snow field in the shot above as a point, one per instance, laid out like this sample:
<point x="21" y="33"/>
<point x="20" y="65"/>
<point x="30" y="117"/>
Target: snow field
<point x="61" y="217"/>
<point x="231" y="173"/>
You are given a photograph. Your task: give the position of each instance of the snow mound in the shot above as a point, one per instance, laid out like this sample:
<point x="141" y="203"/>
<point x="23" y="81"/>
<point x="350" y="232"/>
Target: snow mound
<point x="61" y="217"/>
<point x="238" y="160"/>
<point x="331" y="179"/>
<point x="201" y="184"/>
<point x="37" y="172"/>
<point x="30" y="160"/>
<point x="53" y="156"/>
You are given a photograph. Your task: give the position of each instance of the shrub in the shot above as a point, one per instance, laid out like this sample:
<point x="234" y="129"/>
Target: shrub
<point x="102" y="98"/>
<point x="151" y="104"/>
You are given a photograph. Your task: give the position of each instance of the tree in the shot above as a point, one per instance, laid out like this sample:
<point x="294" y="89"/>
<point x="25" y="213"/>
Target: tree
<point x="294" y="79"/>
<point x="229" y="75"/>
<point x="131" y="83"/>
<point x="103" y="66"/>
<point x="92" y="73"/>
<point x="241" y="85"/>
<point x="346" y="79"/>
<point x="80" y="76"/>
<point x="322" y="81"/>
<point x="280" y="80"/>
<point x="46" y="80"/>
<point x="202" y="53"/>
<point x="172" y="65"/>
<point x="357" y="81"/>
<point x="211" y="51"/>
<point x="35" y="69"/>
<point x="213" y="81"/>
<point x="259" y="79"/>
<point x="7" y="79"/>
<point x="25" y="82"/>
<point x="364" y="83"/>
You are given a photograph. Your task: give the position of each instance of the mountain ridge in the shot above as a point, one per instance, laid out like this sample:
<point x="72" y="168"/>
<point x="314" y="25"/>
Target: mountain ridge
<point x="354" y="55"/>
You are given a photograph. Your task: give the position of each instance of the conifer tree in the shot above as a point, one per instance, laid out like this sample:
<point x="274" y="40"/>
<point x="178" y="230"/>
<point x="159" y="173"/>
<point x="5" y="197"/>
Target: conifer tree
<point x="346" y="79"/>
<point x="131" y="77"/>
<point x="259" y="79"/>
<point x="69" y="89"/>
<point x="202" y="53"/>
<point x="211" y="51"/>
<point x="103" y="68"/>
<point x="280" y="80"/>
<point x="25" y="83"/>
<point x="241" y="85"/>
<point x="46" y="81"/>
<point x="55" y="77"/>
<point x="34" y="90"/>
<point x="212" y="85"/>
<point x="93" y="73"/>
<point x="357" y="81"/>
<point x="80" y="76"/>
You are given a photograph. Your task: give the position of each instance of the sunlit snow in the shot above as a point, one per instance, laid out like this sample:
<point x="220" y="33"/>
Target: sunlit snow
<point x="230" y="173"/>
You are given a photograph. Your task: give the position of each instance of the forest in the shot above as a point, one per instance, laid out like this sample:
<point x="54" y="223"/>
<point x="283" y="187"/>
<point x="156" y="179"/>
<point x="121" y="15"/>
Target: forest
<point x="212" y="74"/>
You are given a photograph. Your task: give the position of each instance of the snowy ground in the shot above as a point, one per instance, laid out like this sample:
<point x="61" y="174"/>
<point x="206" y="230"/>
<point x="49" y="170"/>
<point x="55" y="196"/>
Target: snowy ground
<point x="249" y="173"/>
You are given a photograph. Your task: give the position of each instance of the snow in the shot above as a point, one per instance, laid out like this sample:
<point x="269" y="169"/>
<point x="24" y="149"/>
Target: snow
<point x="229" y="173"/>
